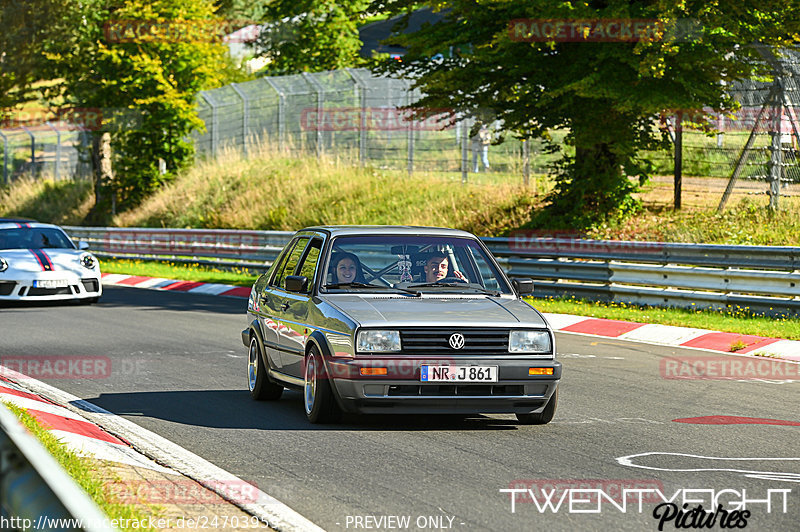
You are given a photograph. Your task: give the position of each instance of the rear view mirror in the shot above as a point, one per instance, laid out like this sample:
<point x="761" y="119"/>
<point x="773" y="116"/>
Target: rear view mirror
<point x="296" y="283"/>
<point x="83" y="244"/>
<point x="522" y="286"/>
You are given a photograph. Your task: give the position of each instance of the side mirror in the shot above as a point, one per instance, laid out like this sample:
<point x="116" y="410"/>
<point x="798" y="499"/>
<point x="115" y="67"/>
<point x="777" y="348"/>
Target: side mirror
<point x="523" y="286"/>
<point x="82" y="244"/>
<point x="296" y="283"/>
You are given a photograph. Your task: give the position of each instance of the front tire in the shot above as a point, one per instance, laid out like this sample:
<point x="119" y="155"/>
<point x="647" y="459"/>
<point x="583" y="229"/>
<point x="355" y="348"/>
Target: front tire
<point x="318" y="400"/>
<point x="261" y="388"/>
<point x="544" y="417"/>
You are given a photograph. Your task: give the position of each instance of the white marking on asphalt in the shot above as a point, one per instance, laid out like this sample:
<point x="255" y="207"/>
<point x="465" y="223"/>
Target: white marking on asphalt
<point x="763" y="475"/>
<point x="267" y="508"/>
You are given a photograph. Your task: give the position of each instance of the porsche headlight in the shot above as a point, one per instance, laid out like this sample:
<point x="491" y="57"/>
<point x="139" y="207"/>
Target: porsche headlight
<point x="377" y="341"/>
<point x="529" y="342"/>
<point x="88" y="261"/>
<point x="3" y="264"/>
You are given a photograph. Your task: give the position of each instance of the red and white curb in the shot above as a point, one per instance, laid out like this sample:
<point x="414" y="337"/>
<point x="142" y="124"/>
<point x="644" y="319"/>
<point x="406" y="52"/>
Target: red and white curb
<point x="668" y="335"/>
<point x="79" y="435"/>
<point x="75" y="420"/>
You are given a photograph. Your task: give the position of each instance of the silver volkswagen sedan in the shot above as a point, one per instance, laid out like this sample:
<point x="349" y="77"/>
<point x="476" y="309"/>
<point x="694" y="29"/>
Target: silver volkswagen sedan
<point x="398" y="320"/>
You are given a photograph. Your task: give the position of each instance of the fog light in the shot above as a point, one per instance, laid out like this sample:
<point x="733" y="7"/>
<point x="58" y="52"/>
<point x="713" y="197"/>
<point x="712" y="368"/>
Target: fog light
<point x="540" y="371"/>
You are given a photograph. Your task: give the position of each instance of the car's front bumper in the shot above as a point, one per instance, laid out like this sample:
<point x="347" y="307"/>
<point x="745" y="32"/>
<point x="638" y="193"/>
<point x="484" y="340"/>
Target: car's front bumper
<point x="21" y="287"/>
<point x="402" y="391"/>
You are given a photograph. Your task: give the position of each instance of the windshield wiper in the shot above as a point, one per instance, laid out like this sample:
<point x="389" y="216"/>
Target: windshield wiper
<point x="457" y="285"/>
<point x="375" y="286"/>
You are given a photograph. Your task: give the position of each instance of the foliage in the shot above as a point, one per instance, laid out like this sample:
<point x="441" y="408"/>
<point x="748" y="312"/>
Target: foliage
<point x="142" y="64"/>
<point x="310" y="35"/>
<point x="27" y="29"/>
<point x="609" y="95"/>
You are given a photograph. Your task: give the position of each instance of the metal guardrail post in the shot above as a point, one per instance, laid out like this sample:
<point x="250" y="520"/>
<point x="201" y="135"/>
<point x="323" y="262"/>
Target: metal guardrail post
<point x="35" y="490"/>
<point x="5" y="157"/>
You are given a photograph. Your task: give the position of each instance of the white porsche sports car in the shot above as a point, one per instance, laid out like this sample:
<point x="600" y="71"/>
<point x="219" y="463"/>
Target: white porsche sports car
<point x="39" y="262"/>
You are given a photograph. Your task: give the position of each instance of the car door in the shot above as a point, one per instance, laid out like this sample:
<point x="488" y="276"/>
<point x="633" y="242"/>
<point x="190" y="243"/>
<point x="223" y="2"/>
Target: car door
<point x="274" y="302"/>
<point x="295" y="316"/>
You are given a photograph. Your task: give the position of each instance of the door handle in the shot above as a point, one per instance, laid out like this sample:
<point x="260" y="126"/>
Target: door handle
<point x="285" y="305"/>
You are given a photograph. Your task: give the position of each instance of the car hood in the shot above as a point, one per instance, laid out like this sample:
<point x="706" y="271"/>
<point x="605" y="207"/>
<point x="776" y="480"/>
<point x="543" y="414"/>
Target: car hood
<point x="436" y="311"/>
<point x="24" y="260"/>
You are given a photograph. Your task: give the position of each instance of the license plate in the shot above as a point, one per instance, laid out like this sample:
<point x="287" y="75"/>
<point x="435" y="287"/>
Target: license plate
<point x="50" y="283"/>
<point x="458" y="373"/>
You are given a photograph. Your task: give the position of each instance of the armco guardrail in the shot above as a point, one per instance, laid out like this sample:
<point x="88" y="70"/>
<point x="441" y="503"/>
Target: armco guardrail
<point x="761" y="278"/>
<point x="35" y="493"/>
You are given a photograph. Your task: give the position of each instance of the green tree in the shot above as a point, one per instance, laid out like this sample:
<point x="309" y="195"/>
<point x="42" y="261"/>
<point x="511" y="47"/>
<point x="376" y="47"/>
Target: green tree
<point x="310" y="35"/>
<point x="28" y="29"/>
<point x="141" y="64"/>
<point x="607" y="95"/>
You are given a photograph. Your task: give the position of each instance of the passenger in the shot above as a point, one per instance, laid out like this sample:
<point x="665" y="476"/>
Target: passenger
<point x="346" y="268"/>
<point x="437" y="267"/>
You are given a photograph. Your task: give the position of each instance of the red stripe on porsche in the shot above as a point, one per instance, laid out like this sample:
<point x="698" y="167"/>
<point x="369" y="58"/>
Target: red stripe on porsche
<point x="38" y="259"/>
<point x="600" y="327"/>
<point x="83" y="428"/>
<point x="47" y="262"/>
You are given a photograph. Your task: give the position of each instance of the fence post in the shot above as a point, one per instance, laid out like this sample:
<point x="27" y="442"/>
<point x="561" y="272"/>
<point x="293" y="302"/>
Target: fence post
<point x="776" y="154"/>
<point x="320" y="102"/>
<point x="214" y="121"/>
<point x="464" y="156"/>
<point x="678" y="170"/>
<point x="33" y="150"/>
<point x="58" y="149"/>
<point x="281" y="112"/>
<point x="526" y="161"/>
<point x="361" y="97"/>
<point x="245" y="114"/>
<point x="5" y="158"/>
<point x="411" y="122"/>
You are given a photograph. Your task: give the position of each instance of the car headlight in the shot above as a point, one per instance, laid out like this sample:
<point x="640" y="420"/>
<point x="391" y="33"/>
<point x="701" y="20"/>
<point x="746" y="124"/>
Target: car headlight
<point x="374" y="341"/>
<point x="529" y="342"/>
<point x="3" y="264"/>
<point x="88" y="261"/>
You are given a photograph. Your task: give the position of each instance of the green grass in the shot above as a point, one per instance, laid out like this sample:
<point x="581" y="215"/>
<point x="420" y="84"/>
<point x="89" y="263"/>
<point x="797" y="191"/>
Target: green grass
<point x="82" y="470"/>
<point x="733" y="320"/>
<point x="181" y="272"/>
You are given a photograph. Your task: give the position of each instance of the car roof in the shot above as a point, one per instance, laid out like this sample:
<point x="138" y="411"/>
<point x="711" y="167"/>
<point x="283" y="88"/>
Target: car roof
<point x="13" y="223"/>
<point x="365" y="230"/>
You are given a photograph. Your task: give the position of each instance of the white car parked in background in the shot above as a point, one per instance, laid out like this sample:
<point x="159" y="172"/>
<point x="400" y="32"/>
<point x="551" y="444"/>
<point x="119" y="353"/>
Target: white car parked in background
<point x="39" y="262"/>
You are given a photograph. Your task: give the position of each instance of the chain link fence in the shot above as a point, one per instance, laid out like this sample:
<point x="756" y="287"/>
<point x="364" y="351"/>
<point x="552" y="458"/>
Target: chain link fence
<point x="51" y="149"/>
<point x="356" y="115"/>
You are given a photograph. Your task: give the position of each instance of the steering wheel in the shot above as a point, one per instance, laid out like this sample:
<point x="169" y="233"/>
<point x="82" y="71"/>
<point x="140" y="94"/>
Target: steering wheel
<point x="451" y="279"/>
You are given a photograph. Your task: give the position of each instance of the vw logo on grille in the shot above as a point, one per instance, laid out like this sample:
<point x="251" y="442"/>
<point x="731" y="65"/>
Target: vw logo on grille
<point x="456" y="341"/>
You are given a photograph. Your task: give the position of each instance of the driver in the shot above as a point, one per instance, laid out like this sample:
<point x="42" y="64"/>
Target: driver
<point x="436" y="268"/>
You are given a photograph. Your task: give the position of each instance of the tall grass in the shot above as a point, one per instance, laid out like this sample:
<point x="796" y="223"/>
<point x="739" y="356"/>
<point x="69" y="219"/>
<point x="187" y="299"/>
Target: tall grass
<point x="63" y="202"/>
<point x="276" y="191"/>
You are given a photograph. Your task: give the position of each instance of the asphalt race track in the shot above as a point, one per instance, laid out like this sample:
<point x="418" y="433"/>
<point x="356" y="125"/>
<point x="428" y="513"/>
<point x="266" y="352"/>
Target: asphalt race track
<point x="177" y="368"/>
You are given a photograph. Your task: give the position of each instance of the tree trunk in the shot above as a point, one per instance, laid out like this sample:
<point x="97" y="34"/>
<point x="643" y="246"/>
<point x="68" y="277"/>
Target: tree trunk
<point x="101" y="211"/>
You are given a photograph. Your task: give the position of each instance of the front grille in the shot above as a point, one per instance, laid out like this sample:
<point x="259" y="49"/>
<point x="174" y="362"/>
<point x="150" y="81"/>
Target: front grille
<point x="434" y="340"/>
<point x="49" y="291"/>
<point x="90" y="285"/>
<point x="452" y="390"/>
<point x="6" y="287"/>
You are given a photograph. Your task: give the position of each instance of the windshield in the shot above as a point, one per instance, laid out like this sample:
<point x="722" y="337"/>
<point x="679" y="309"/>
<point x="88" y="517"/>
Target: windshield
<point x="419" y="263"/>
<point x="34" y="238"/>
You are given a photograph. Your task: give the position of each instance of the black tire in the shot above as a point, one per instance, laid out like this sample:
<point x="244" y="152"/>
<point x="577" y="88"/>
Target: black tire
<point x="261" y="388"/>
<point x="318" y="400"/>
<point x="544" y="417"/>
